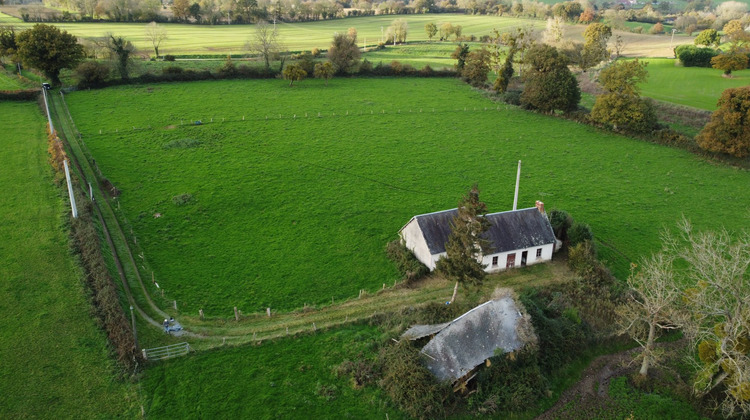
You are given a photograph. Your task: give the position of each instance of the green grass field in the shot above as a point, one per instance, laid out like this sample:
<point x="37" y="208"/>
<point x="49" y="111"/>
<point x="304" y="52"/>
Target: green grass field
<point x="691" y="86"/>
<point x="224" y="39"/>
<point x="436" y="55"/>
<point x="54" y="361"/>
<point x="291" y="379"/>
<point x="9" y="79"/>
<point x="285" y="211"/>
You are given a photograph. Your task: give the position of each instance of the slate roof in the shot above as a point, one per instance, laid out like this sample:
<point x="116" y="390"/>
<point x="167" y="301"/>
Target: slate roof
<point x="473" y="337"/>
<point x="509" y="230"/>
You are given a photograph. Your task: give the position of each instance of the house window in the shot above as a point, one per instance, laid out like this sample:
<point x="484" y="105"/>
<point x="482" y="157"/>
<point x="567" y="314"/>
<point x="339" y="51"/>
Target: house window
<point x="539" y="253"/>
<point x="494" y="261"/>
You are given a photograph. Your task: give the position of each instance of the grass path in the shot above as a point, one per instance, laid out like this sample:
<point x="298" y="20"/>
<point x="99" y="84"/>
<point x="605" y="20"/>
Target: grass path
<point x="54" y="360"/>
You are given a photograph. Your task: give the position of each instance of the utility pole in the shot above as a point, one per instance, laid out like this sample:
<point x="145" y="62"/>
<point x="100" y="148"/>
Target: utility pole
<point x="135" y="332"/>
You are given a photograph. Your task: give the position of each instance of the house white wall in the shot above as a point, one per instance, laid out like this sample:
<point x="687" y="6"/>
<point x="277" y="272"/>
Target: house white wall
<point x="412" y="236"/>
<point x="502" y="257"/>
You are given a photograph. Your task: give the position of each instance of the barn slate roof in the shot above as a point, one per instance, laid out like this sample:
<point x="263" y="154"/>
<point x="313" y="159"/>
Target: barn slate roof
<point x="509" y="230"/>
<point x="468" y="340"/>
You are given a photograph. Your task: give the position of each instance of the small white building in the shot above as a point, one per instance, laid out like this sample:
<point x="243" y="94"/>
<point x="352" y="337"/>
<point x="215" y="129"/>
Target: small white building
<point x="517" y="237"/>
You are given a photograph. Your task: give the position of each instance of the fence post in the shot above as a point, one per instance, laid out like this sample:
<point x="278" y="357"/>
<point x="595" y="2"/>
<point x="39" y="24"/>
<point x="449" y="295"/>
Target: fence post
<point x="236" y="314"/>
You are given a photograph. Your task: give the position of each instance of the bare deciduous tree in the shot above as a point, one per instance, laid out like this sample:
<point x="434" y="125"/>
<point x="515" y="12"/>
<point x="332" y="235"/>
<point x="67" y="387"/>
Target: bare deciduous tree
<point x="156" y="34"/>
<point x="719" y="311"/>
<point x="651" y="306"/>
<point x="265" y="42"/>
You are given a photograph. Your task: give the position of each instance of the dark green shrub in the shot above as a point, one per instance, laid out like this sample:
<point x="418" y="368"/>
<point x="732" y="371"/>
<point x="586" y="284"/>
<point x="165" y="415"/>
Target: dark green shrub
<point x="692" y="56"/>
<point x="408" y="265"/>
<point x="228" y="69"/>
<point x="169" y="57"/>
<point x="561" y="222"/>
<point x="172" y="70"/>
<point x="92" y="74"/>
<point x="579" y="232"/>
<point x="365" y="66"/>
<point x="19" y="95"/>
<point x="512" y="97"/>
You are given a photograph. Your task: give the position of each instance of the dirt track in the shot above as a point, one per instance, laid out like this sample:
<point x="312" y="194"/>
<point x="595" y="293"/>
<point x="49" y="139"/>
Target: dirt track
<point x="593" y="388"/>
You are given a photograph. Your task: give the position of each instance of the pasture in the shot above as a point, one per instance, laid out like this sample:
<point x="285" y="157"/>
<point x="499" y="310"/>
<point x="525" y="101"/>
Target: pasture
<point x="258" y="382"/>
<point x="273" y="205"/>
<point x="231" y="39"/>
<point x="54" y="360"/>
<point x="186" y="39"/>
<point x="668" y="82"/>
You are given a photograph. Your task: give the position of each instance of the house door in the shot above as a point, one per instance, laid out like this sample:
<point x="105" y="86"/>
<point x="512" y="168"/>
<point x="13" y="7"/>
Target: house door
<point x="524" y="255"/>
<point x="511" y="262"/>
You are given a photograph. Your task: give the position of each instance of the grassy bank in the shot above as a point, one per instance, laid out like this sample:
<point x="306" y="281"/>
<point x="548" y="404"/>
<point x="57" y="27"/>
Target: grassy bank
<point x="53" y="359"/>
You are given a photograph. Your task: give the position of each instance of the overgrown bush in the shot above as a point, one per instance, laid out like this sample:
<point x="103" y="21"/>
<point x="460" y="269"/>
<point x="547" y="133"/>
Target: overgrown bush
<point x="104" y="295"/>
<point x="561" y="222"/>
<point x="512" y="382"/>
<point x="692" y="56"/>
<point x="361" y="372"/>
<point x="172" y="70"/>
<point x="579" y="232"/>
<point x="512" y="97"/>
<point x="19" y="95"/>
<point x="560" y="339"/>
<point x="625" y="112"/>
<point x="409" y="384"/>
<point x="169" y="57"/>
<point x="408" y="265"/>
<point x="92" y="74"/>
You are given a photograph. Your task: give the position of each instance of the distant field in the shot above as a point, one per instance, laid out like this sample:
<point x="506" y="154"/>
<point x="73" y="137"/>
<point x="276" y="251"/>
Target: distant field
<point x="435" y="55"/>
<point x="691" y="86"/>
<point x="53" y="359"/>
<point x="231" y="39"/>
<point x="288" y="211"/>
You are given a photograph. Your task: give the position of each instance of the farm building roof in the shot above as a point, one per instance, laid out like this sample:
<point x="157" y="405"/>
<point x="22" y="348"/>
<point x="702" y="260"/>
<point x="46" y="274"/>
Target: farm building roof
<point x="509" y="230"/>
<point x="464" y="343"/>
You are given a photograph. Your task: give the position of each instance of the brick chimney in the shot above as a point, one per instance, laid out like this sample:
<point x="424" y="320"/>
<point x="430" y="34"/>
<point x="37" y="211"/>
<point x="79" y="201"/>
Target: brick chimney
<point x="540" y="206"/>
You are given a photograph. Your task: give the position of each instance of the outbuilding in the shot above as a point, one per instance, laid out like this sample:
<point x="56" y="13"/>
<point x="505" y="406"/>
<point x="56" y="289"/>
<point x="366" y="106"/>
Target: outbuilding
<point x="517" y="237"/>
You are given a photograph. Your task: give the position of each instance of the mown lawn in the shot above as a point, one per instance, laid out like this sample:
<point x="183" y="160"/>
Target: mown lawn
<point x="697" y="87"/>
<point x="297" y="209"/>
<point x="54" y="360"/>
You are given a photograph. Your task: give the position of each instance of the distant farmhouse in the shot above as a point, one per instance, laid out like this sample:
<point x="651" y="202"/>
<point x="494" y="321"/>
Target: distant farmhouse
<point x="517" y="237"/>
